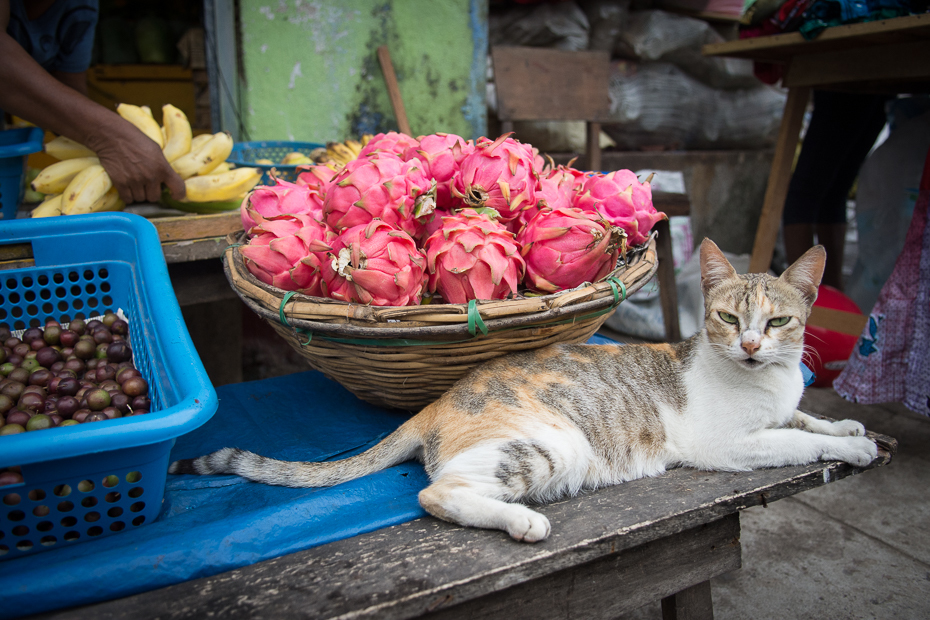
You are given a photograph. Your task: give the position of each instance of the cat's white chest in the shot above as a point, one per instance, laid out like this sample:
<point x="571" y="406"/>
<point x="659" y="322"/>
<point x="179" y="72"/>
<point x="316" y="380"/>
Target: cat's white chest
<point x="726" y="402"/>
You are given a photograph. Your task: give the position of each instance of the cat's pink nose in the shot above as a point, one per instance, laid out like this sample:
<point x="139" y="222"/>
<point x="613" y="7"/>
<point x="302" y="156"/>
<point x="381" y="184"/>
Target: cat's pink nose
<point x="750" y="346"/>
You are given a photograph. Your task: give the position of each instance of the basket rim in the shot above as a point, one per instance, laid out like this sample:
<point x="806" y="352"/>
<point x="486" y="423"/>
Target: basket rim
<point x="345" y="320"/>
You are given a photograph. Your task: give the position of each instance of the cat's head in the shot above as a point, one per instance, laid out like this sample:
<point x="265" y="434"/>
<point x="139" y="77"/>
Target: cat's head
<point x="756" y="319"/>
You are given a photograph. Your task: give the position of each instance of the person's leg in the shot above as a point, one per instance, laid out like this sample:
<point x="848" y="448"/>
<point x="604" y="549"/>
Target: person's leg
<point x="841" y="132"/>
<point x="864" y="117"/>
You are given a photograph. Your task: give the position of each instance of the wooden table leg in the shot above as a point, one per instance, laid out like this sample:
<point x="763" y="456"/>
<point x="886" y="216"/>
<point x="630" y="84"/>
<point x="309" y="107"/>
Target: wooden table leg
<point x="668" y="293"/>
<point x="692" y="603"/>
<point x="779" y="177"/>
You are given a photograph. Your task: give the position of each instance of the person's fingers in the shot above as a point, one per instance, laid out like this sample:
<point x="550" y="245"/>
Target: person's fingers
<point x="125" y="192"/>
<point x="152" y="191"/>
<point x="175" y="185"/>
<point x="138" y="192"/>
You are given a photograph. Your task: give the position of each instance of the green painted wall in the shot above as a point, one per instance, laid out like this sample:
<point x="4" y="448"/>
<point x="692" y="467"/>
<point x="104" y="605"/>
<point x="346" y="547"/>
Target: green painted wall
<point x="312" y="72"/>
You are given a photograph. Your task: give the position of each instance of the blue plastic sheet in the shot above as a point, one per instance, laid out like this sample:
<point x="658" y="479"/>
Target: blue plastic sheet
<point x="212" y="524"/>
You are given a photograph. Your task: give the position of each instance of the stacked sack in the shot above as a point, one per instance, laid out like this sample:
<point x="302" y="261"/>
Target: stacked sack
<point x="442" y="218"/>
<point x="78" y="183"/>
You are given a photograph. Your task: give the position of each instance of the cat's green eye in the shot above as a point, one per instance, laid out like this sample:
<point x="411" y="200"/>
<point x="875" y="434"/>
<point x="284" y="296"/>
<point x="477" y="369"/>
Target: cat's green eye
<point x="728" y="318"/>
<point x="782" y="320"/>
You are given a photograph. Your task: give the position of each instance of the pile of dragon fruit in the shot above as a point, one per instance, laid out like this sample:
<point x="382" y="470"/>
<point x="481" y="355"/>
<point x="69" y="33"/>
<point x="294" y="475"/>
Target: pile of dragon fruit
<point x="441" y="217"/>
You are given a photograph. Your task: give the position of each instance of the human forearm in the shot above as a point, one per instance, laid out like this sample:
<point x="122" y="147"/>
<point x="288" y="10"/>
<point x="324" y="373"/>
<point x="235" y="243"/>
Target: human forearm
<point x="32" y="93"/>
<point x="134" y="162"/>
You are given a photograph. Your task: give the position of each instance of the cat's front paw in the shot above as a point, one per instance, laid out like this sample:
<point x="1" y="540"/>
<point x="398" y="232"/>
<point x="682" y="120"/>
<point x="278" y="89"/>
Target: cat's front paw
<point x="858" y="451"/>
<point x="528" y="526"/>
<point x="848" y="428"/>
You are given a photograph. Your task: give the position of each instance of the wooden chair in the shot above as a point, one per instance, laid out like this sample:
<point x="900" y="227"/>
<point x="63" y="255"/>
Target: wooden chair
<point x="539" y="84"/>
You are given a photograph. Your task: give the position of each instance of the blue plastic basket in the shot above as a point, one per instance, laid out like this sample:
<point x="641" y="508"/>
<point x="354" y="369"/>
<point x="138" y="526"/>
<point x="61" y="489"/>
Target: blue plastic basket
<point x="86" y="265"/>
<point x="246" y="153"/>
<point x="15" y="145"/>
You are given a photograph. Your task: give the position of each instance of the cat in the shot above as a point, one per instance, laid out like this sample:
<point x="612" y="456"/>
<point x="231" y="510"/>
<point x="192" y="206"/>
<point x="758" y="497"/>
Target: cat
<point x="537" y="425"/>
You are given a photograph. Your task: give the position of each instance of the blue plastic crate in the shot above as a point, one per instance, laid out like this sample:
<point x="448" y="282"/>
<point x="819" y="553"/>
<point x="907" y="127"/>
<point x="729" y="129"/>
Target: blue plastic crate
<point x="244" y="154"/>
<point x="15" y="145"/>
<point x="86" y="265"/>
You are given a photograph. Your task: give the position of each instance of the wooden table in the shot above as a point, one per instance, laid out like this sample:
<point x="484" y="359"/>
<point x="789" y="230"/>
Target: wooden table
<point x="610" y="552"/>
<point x="888" y="56"/>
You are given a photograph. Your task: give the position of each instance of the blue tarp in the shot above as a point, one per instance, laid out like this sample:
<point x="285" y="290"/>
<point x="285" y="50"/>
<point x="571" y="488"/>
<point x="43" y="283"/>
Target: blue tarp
<point x="212" y="524"/>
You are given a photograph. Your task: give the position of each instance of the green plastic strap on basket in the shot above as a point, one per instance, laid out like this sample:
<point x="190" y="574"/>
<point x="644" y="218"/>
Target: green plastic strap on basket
<point x="474" y="319"/>
<point x="284" y="301"/>
<point x="619" y="295"/>
<point x="235" y="245"/>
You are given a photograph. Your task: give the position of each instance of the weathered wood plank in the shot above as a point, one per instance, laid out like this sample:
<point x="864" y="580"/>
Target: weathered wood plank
<point x="844" y="322"/>
<point x="186" y="227"/>
<point x="886" y="64"/>
<point x="535" y="83"/>
<point x="617" y="583"/>
<point x="402" y="571"/>
<point x="781" y="47"/>
<point x="194" y="250"/>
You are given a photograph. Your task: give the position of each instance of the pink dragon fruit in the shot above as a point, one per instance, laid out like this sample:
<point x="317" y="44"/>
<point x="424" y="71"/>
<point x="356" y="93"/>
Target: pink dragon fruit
<point x="390" y="142"/>
<point x="375" y="264"/>
<point x="316" y="176"/>
<point x="286" y="251"/>
<point x="566" y="247"/>
<point x="554" y="192"/>
<point x="280" y="198"/>
<point x="473" y="257"/>
<point x="499" y="175"/>
<point x="441" y="155"/>
<point x="380" y="186"/>
<point x="623" y="201"/>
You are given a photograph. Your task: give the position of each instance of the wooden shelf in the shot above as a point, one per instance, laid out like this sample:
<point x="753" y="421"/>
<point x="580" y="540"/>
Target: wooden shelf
<point x="781" y="48"/>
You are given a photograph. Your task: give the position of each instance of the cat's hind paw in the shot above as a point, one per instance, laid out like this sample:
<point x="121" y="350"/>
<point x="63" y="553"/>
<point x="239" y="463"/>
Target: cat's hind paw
<point x="848" y="428"/>
<point x="528" y="526"/>
<point x="858" y="451"/>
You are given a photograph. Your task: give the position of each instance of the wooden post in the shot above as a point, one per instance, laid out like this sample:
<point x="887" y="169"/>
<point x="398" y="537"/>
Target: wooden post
<point x="668" y="292"/>
<point x="694" y="603"/>
<point x="593" y="146"/>
<point x="390" y="78"/>
<point x="779" y="177"/>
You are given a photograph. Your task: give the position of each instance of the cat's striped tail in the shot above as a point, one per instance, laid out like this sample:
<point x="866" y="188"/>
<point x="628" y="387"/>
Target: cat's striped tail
<point x="399" y="446"/>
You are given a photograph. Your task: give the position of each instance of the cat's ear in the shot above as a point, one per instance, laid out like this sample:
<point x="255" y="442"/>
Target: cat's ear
<point x="806" y="272"/>
<point x="715" y="268"/>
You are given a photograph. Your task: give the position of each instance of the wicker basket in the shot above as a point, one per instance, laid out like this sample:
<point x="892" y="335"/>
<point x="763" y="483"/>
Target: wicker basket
<point x="406" y="357"/>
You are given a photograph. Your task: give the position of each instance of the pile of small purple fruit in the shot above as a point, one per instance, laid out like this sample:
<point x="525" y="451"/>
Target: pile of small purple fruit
<point x="61" y="376"/>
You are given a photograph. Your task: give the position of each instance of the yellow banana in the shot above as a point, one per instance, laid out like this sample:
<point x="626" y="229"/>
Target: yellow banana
<point x="223" y="186"/>
<point x="85" y="189"/>
<point x="355" y="146"/>
<point x="49" y="208"/>
<point x="142" y="120"/>
<point x="223" y="167"/>
<point x="55" y="178"/>
<point x="178" y="135"/>
<point x="199" y="140"/>
<point x="206" y="158"/>
<point x="65" y="148"/>
<point x="264" y="162"/>
<point x="340" y="152"/>
<point x="366" y="138"/>
<point x="110" y="201"/>
<point x="296" y="159"/>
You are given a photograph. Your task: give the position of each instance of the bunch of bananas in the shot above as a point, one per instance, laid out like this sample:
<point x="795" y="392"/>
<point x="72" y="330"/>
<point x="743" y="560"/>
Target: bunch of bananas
<point x="334" y="154"/>
<point x="79" y="184"/>
<point x="341" y="153"/>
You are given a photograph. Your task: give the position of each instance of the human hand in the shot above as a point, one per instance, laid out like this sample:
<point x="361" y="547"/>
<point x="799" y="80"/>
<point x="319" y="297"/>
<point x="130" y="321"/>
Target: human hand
<point x="135" y="164"/>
